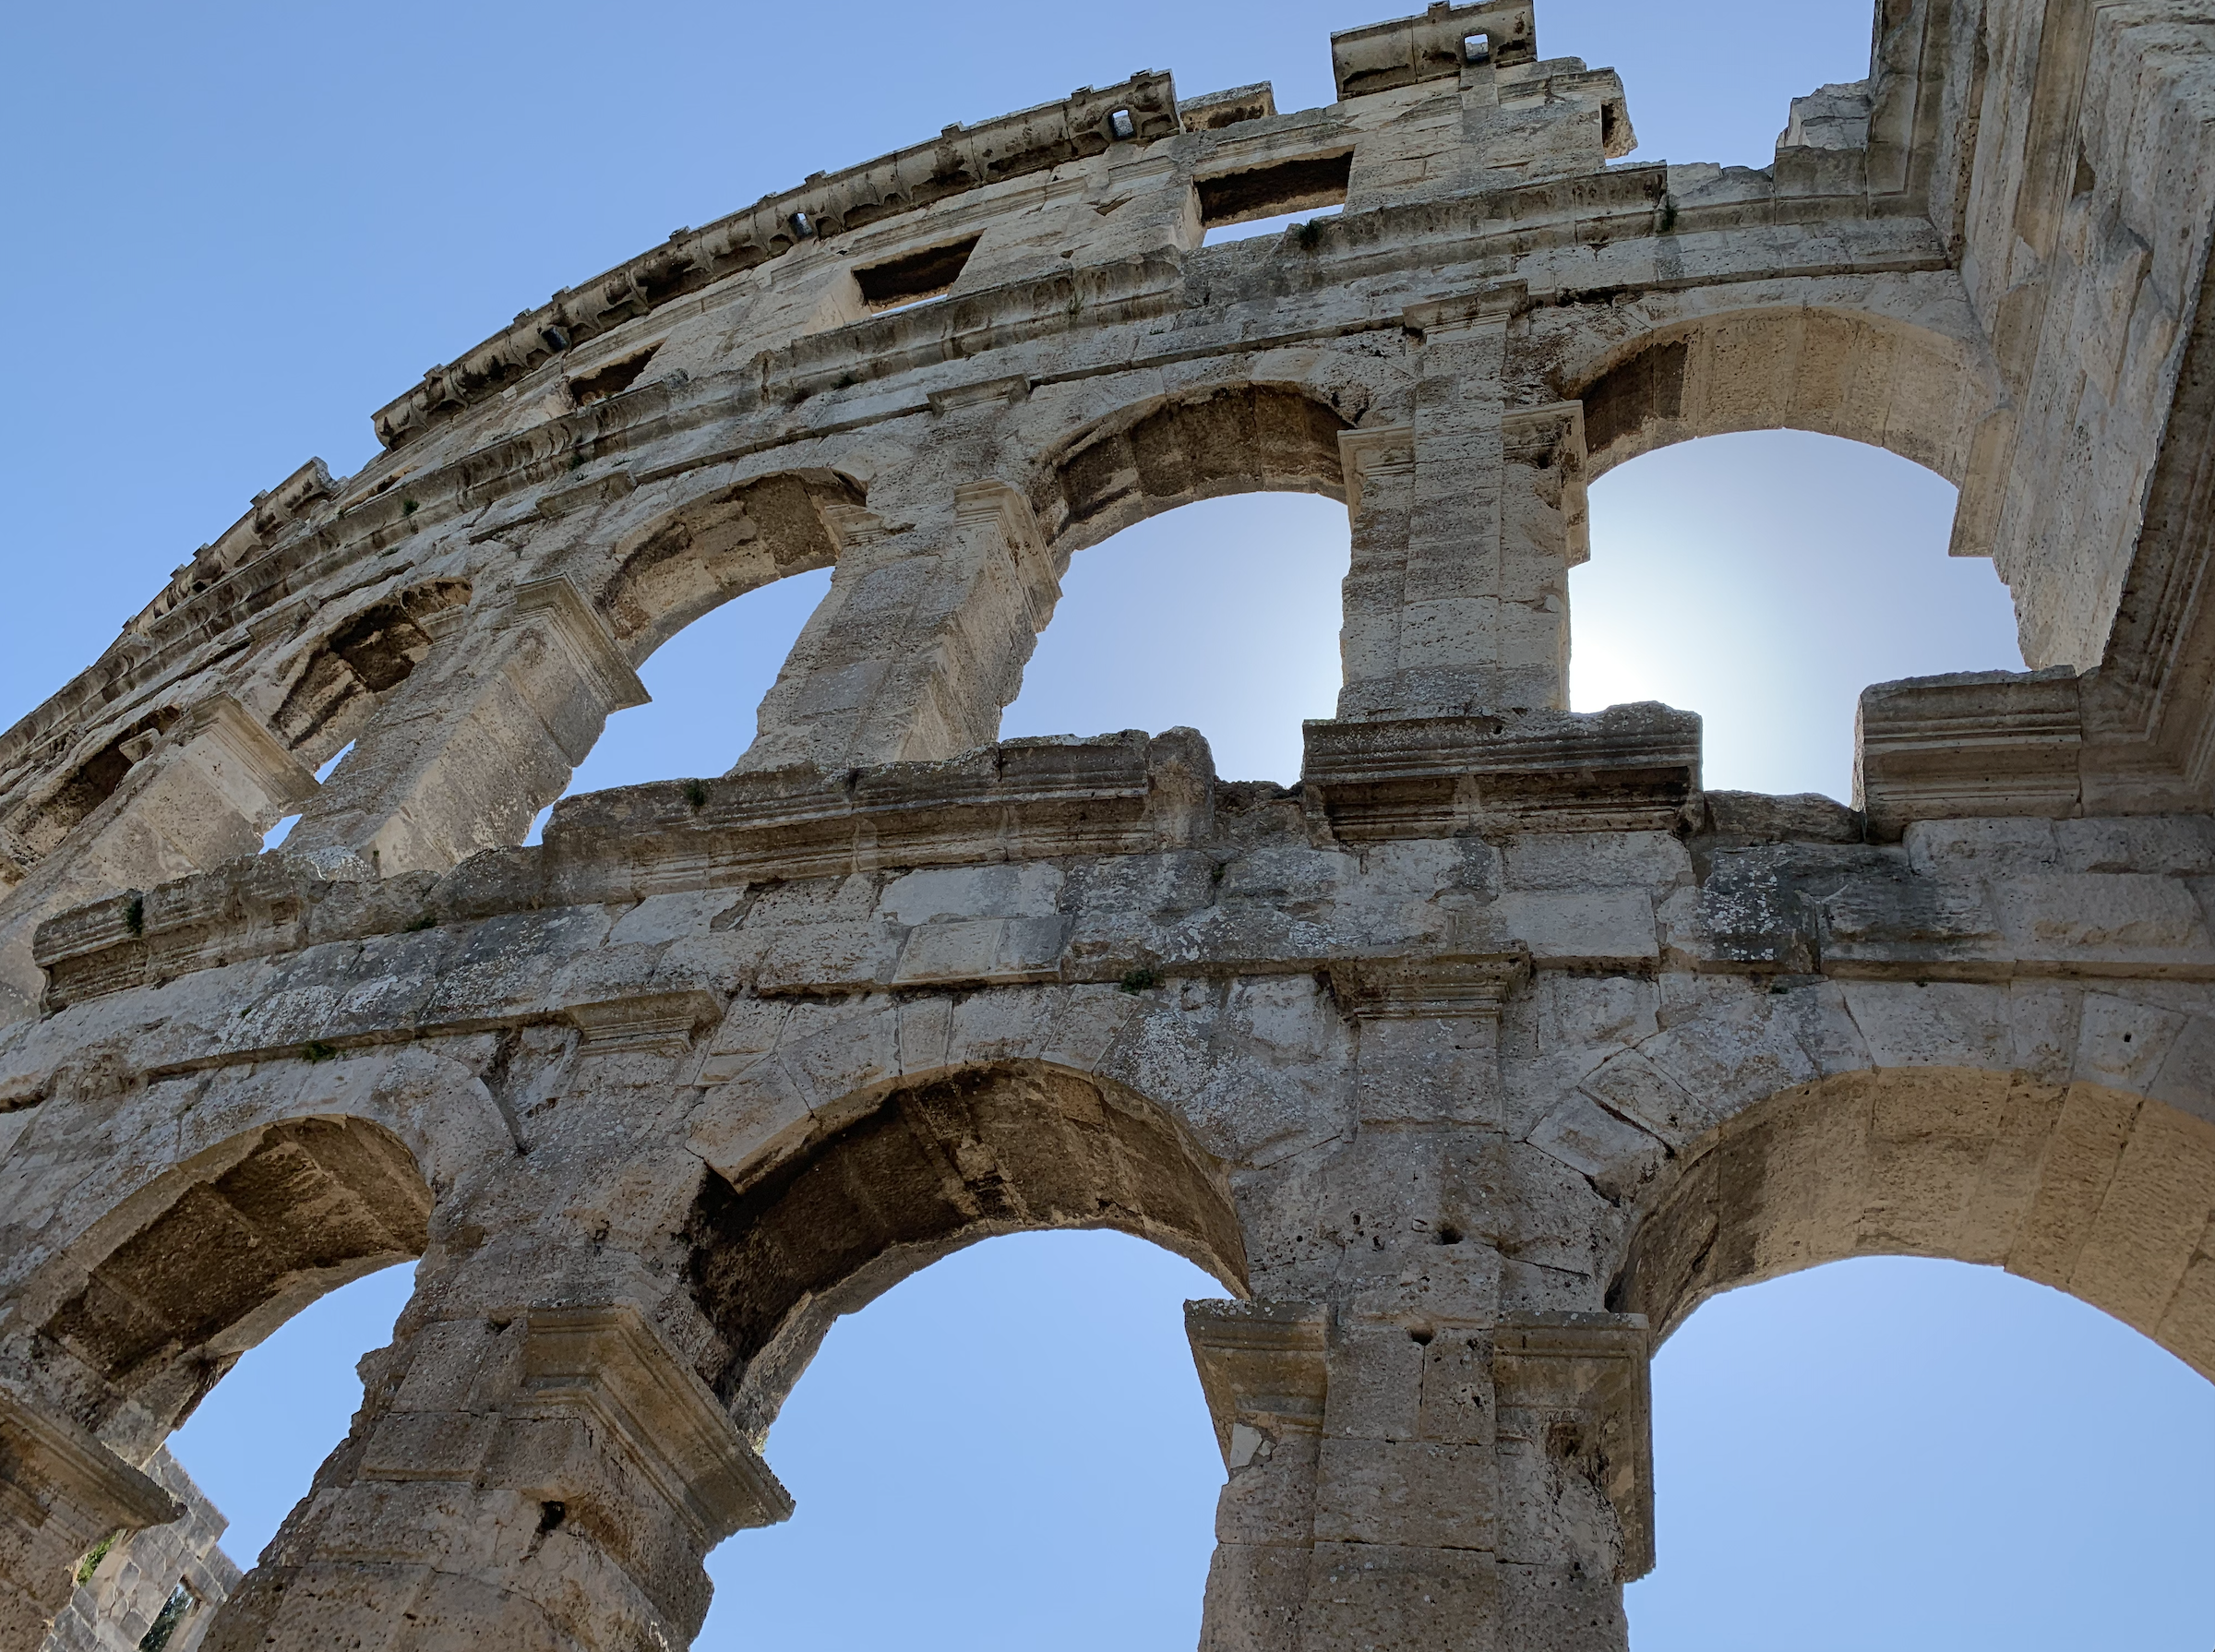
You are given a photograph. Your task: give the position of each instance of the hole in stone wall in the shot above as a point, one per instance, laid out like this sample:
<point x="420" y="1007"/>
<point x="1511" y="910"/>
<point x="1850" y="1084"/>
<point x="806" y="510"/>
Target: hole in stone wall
<point x="1896" y="1451"/>
<point x="336" y="683"/>
<point x="1476" y="48"/>
<point x="1288" y="186"/>
<point x="916" y="276"/>
<point x="611" y="380"/>
<point x="1222" y="616"/>
<point x="1764" y="580"/>
<point x="51" y="818"/>
<point x="1016" y="1438"/>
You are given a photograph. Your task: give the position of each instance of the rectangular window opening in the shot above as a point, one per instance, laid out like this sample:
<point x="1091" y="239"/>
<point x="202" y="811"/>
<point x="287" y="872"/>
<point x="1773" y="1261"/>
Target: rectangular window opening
<point x="1476" y="48"/>
<point x="1290" y="187"/>
<point x="914" y="277"/>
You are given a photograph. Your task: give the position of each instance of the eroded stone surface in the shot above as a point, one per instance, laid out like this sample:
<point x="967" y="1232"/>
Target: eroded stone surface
<point x="1470" y="1065"/>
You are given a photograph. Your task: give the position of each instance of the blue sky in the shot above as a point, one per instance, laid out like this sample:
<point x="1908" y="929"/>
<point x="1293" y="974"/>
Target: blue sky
<point x="234" y="230"/>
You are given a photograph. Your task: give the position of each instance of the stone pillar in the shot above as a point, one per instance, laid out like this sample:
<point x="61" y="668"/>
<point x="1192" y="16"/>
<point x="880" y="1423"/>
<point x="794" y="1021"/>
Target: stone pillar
<point x="205" y="797"/>
<point x="1465" y="522"/>
<point x="922" y="640"/>
<point x="1417" y="1464"/>
<point x="484" y="734"/>
<point x="1262" y="1368"/>
<point x="549" y="1481"/>
<point x="61" y="1493"/>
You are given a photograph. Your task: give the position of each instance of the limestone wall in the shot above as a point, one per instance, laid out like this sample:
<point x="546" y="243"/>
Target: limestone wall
<point x="1470" y="1064"/>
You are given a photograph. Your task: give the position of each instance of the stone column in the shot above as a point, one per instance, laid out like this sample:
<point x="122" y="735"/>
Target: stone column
<point x="549" y="1480"/>
<point x="207" y="797"/>
<point x="922" y="640"/>
<point x="1421" y="1463"/>
<point x="61" y="1493"/>
<point x="484" y="734"/>
<point x="1465" y="522"/>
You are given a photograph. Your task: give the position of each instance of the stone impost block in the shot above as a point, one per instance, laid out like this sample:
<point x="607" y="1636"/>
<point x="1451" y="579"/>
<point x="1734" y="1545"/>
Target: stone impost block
<point x="61" y="1491"/>
<point x="1982" y="743"/>
<point x="1262" y="1367"/>
<point x="607" y="1364"/>
<point x="1575" y="1419"/>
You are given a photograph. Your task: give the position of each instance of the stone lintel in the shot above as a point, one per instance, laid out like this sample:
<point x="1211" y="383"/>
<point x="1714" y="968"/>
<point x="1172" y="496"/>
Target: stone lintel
<point x="1262" y="1365"/>
<point x="608" y="1363"/>
<point x="1631" y="768"/>
<point x="1444" y="320"/>
<point x="1457" y="985"/>
<point x="593" y="653"/>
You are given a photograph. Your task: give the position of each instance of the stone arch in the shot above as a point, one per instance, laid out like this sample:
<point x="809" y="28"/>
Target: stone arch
<point x="661" y="577"/>
<point x="156" y="1300"/>
<point x="1832" y="370"/>
<point x="872" y="1190"/>
<point x="2096" y="1192"/>
<point x="1154" y="455"/>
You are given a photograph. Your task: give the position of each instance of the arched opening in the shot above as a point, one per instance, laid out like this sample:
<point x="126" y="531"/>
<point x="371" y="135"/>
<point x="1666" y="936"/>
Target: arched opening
<point x="1015" y="1440"/>
<point x="824" y="1222"/>
<point x="1762" y="580"/>
<point x="2102" y="1194"/>
<point x="284" y="1242"/>
<point x="1218" y="603"/>
<point x="1920" y="1455"/>
<point x="706" y="601"/>
<point x="846" y="1212"/>
<point x="1221" y="616"/>
<point x="1859" y="375"/>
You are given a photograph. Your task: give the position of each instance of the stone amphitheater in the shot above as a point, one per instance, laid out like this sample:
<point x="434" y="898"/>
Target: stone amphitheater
<point x="1470" y="1064"/>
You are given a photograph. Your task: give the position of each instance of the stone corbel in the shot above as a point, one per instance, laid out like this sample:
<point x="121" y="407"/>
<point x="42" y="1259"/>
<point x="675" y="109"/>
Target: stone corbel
<point x="1454" y="321"/>
<point x="1000" y="509"/>
<point x="570" y="622"/>
<point x="655" y="1023"/>
<point x="607" y="1364"/>
<point x="1451" y="985"/>
<point x="1263" y="1366"/>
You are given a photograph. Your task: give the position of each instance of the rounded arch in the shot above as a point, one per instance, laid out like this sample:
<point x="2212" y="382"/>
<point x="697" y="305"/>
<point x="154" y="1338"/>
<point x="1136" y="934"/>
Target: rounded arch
<point x="875" y="1190"/>
<point x="694" y="557"/>
<point x="2107" y="1195"/>
<point x="1248" y="436"/>
<point x="1831" y="370"/>
<point x="157" y="1298"/>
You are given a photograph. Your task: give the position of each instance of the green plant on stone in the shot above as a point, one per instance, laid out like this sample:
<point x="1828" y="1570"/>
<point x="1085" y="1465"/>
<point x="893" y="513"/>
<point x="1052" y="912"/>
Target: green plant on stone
<point x="93" y="1556"/>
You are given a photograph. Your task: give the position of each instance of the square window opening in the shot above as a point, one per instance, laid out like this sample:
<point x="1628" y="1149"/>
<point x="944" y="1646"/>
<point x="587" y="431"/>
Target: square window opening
<point x="914" y="277"/>
<point x="1289" y="187"/>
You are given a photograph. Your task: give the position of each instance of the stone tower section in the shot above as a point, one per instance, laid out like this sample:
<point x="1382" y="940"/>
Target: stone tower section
<point x="1470" y="1065"/>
